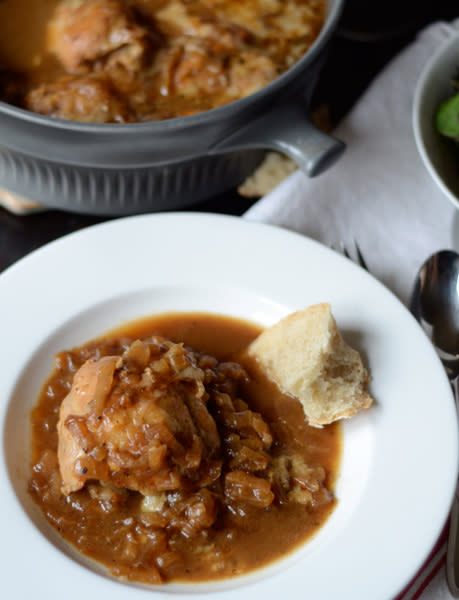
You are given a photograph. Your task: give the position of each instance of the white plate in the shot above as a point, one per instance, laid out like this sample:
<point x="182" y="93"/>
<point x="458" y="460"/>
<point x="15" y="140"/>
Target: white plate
<point x="400" y="457"/>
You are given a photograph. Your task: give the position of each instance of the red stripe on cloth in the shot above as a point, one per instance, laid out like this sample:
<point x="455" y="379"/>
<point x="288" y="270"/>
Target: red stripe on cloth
<point x="420" y="574"/>
<point x="441" y="563"/>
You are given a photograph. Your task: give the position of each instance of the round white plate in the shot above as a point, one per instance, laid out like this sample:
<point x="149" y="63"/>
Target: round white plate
<point x="400" y="457"/>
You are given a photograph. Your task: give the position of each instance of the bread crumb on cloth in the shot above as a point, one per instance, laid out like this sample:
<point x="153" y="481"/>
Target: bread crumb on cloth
<point x="18" y="205"/>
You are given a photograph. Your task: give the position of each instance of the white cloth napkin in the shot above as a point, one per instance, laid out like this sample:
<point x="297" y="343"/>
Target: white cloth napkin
<point x="381" y="195"/>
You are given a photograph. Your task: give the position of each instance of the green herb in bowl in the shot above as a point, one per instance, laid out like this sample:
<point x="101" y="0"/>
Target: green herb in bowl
<point x="447" y="117"/>
<point x="436" y="117"/>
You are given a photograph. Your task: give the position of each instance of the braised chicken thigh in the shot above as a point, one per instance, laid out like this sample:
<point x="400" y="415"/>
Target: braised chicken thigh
<point x="85" y="98"/>
<point x="89" y="33"/>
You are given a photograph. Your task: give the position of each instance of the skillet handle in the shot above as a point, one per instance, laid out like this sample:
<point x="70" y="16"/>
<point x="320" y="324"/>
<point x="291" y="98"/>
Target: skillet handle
<point x="288" y="130"/>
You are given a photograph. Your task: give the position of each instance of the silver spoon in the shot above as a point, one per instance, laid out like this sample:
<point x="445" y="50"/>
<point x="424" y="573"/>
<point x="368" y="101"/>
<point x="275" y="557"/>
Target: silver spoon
<point x="435" y="304"/>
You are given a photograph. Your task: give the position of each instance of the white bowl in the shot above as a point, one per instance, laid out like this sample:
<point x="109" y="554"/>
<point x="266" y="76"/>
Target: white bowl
<point x="433" y="87"/>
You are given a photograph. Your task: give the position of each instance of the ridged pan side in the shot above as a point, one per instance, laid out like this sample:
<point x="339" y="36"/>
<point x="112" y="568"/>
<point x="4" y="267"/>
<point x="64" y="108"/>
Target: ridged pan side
<point x="112" y="192"/>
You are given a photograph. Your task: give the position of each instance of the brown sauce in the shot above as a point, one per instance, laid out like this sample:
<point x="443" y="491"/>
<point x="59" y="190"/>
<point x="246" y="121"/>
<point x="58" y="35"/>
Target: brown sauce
<point x="143" y="546"/>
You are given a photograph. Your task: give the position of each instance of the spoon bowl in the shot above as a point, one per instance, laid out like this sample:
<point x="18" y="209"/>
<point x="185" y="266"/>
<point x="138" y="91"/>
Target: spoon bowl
<point x="435" y="304"/>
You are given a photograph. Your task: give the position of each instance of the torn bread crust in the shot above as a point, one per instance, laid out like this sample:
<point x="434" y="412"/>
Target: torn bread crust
<point x="306" y="356"/>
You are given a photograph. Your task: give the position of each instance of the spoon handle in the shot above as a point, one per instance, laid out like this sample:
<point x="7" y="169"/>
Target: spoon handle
<point x="452" y="553"/>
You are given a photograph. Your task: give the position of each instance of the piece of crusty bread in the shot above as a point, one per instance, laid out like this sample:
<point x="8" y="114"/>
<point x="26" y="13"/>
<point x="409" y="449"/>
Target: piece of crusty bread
<point x="276" y="167"/>
<point x="272" y="171"/>
<point x="306" y="356"/>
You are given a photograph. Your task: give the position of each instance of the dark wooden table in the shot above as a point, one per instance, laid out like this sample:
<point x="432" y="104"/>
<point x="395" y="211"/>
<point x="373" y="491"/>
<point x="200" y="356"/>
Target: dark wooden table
<point x="365" y="42"/>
